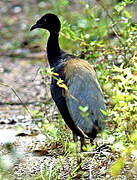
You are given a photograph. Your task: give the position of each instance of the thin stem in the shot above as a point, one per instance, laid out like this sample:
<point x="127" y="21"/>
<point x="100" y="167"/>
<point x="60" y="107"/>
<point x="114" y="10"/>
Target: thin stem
<point x="113" y="29"/>
<point x="24" y="105"/>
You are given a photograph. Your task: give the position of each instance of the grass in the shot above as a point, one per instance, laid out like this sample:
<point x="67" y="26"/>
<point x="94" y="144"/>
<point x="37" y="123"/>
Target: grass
<point x="118" y="79"/>
<point x="106" y="37"/>
<point x="115" y="63"/>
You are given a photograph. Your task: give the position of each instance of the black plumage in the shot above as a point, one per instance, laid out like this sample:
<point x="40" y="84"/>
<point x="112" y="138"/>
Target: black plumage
<point x="80" y="78"/>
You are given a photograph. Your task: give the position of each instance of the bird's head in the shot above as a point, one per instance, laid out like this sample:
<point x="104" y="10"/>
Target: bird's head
<point x="49" y="22"/>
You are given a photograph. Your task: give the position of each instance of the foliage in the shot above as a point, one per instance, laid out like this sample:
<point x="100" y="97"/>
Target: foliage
<point x="104" y="34"/>
<point x="124" y="113"/>
<point x="115" y="61"/>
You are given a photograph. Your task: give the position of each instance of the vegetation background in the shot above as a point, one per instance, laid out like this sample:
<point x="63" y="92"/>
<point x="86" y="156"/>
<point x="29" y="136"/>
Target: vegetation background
<point x="105" y="34"/>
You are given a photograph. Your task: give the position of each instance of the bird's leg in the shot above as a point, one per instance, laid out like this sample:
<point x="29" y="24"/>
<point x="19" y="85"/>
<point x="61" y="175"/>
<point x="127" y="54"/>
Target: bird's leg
<point x="75" y="138"/>
<point x="79" y="160"/>
<point x="91" y="141"/>
<point x="82" y="140"/>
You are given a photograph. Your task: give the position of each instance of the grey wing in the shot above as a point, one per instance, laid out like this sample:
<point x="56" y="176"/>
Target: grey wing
<point x="85" y="91"/>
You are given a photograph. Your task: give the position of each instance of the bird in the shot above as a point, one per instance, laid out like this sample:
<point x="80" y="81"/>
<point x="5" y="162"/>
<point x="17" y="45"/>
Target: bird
<point x="83" y="87"/>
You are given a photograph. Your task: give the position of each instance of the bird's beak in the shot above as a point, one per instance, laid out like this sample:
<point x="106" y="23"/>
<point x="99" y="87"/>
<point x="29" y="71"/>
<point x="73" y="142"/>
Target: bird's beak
<point x="35" y="26"/>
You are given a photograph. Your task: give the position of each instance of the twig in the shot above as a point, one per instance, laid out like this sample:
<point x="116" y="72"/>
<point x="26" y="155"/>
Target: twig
<point x="36" y="74"/>
<point x="24" y="105"/>
<point x="113" y="29"/>
<point x="41" y="170"/>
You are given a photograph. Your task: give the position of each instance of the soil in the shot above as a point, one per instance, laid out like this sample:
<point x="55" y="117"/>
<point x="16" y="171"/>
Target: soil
<point x="21" y="88"/>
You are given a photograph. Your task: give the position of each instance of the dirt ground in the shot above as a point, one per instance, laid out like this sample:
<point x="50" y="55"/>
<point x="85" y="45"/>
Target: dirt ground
<point x="22" y="87"/>
<point x="19" y="134"/>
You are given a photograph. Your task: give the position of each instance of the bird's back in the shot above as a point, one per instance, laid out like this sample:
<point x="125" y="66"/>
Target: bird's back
<point x="84" y="91"/>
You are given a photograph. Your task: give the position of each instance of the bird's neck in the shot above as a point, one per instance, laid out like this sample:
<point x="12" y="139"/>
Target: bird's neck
<point x="53" y="49"/>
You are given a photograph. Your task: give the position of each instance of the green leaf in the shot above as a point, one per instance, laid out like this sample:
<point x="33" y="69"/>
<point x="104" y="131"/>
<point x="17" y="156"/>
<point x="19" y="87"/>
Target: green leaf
<point x="83" y="108"/>
<point x="127" y="14"/>
<point x="61" y="84"/>
<point x="117" y="167"/>
<point x="104" y="112"/>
